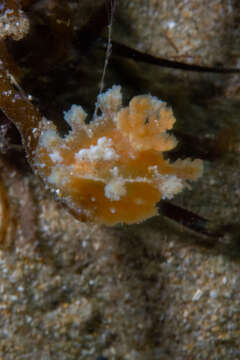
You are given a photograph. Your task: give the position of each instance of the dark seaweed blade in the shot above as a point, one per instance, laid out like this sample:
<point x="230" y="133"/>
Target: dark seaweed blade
<point x="188" y="219"/>
<point x="127" y="52"/>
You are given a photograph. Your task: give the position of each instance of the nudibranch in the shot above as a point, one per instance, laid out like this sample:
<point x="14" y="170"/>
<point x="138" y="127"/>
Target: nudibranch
<point x="112" y="170"/>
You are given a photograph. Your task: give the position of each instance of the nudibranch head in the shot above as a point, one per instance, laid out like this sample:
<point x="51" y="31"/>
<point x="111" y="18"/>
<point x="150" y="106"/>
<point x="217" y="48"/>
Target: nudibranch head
<point x="112" y="170"/>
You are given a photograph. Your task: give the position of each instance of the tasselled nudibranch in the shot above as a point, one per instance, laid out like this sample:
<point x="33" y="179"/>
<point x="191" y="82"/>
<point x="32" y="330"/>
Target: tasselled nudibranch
<point x="112" y="170"/>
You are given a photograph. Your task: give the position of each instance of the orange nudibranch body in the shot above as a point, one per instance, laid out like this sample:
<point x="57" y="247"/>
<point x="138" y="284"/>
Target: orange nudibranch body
<point x="112" y="170"/>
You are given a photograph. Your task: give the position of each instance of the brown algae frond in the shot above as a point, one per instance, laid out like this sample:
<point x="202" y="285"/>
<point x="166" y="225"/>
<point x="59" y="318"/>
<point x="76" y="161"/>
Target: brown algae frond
<point x="113" y="170"/>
